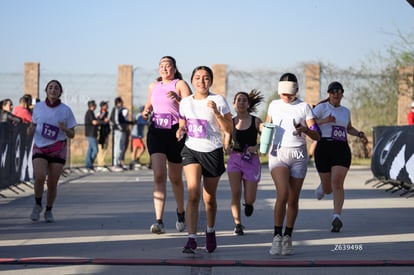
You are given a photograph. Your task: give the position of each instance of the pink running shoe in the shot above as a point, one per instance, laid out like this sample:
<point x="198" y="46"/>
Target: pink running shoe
<point x="190" y="246"/>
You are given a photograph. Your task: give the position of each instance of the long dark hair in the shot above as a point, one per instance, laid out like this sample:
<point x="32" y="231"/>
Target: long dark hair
<point x="289" y="77"/>
<point x="254" y="97"/>
<point x="205" y="68"/>
<point x="4" y="102"/>
<point x="177" y="74"/>
<point x="58" y="83"/>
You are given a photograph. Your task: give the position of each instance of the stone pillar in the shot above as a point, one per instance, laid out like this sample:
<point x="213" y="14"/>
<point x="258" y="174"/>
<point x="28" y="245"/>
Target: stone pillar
<point x="31" y="79"/>
<point x="220" y="79"/>
<point x="312" y="83"/>
<point x="125" y="84"/>
<point x="405" y="93"/>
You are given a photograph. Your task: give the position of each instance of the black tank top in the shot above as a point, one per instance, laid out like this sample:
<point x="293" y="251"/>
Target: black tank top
<point x="248" y="137"/>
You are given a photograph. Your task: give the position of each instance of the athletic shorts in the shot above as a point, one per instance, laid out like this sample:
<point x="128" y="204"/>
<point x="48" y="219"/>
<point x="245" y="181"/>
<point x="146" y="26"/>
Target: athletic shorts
<point x="250" y="169"/>
<point x="137" y="142"/>
<point x="164" y="141"/>
<point x="329" y="152"/>
<point x="212" y="163"/>
<point x="54" y="153"/>
<point x="294" y="158"/>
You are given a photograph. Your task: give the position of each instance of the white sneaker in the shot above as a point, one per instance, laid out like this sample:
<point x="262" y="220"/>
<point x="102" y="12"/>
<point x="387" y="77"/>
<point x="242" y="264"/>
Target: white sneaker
<point x="116" y="169"/>
<point x="180" y="223"/>
<point x="180" y="226"/>
<point x="157" y="228"/>
<point x="319" y="192"/>
<point x="49" y="216"/>
<point x="287" y="245"/>
<point x="276" y="248"/>
<point x="37" y="209"/>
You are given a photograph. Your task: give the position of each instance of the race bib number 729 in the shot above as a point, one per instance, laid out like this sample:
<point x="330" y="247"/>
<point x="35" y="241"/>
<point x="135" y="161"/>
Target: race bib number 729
<point x="50" y="131"/>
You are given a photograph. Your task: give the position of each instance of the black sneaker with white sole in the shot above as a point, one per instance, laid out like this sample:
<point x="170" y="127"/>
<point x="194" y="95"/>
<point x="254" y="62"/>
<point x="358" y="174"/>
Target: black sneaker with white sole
<point x="336" y="225"/>
<point x="238" y="230"/>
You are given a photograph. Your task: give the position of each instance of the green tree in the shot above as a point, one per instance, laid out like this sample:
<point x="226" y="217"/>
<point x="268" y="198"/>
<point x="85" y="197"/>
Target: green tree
<point x="274" y="96"/>
<point x="375" y="89"/>
<point x="374" y="101"/>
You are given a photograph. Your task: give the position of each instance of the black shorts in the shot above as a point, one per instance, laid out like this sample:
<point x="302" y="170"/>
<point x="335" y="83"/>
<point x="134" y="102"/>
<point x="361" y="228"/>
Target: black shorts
<point x="49" y="158"/>
<point x="164" y="141"/>
<point x="330" y="153"/>
<point x="54" y="153"/>
<point x="212" y="163"/>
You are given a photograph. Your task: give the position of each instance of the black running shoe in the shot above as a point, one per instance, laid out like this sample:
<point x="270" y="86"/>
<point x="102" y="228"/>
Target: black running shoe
<point x="238" y="230"/>
<point x="336" y="225"/>
<point x="248" y="210"/>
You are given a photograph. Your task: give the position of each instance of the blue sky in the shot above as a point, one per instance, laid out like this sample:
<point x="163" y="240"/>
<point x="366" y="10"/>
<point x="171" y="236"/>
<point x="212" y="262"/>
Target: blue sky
<point x="95" y="36"/>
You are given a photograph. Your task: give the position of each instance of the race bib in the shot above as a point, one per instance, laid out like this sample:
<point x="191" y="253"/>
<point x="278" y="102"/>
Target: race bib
<point x="162" y="121"/>
<point x="197" y="128"/>
<point x="338" y="133"/>
<point x="50" y="131"/>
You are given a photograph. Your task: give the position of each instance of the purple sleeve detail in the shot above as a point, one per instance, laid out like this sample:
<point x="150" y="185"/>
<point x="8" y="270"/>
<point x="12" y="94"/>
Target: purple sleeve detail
<point x="315" y="127"/>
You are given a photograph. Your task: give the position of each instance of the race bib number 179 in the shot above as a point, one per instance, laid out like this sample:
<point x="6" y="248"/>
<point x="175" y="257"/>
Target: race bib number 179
<point x="162" y="121"/>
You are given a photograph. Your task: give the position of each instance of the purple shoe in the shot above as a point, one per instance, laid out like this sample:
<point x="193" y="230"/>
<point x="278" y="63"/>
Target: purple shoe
<point x="190" y="246"/>
<point x="211" y="243"/>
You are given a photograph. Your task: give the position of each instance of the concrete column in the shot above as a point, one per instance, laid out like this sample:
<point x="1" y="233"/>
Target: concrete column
<point x="125" y="84"/>
<point x="220" y="79"/>
<point x="31" y="79"/>
<point x="312" y="83"/>
<point x="405" y="93"/>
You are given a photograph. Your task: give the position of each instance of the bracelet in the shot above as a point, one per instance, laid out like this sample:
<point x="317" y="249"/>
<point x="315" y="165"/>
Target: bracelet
<point x="360" y="134"/>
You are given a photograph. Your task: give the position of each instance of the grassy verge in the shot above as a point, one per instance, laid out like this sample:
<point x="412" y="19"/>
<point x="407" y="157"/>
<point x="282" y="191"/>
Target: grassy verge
<point x="361" y="161"/>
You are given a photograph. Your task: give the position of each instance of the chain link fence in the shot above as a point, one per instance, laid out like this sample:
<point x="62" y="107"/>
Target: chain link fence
<point x="78" y="89"/>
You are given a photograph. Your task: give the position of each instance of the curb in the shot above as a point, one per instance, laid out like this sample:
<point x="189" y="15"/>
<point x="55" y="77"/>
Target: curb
<point x="209" y="263"/>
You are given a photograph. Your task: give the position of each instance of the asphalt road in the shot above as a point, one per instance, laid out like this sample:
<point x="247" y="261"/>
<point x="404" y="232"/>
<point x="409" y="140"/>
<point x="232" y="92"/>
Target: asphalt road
<point x="103" y="219"/>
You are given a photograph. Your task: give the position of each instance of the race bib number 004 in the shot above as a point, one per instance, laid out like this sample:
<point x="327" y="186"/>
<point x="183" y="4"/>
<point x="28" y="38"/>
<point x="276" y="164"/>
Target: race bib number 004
<point x="338" y="133"/>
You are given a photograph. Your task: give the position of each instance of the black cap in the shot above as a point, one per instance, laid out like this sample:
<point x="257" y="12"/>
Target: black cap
<point x="335" y="86"/>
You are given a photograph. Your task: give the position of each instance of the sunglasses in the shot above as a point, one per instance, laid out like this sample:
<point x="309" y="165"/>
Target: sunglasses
<point x="336" y="91"/>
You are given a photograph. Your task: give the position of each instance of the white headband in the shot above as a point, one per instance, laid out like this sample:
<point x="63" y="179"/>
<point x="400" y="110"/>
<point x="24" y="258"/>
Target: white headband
<point x="287" y="87"/>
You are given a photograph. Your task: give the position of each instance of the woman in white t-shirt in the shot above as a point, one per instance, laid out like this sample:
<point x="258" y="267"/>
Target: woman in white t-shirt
<point x="332" y="152"/>
<point x="204" y="118"/>
<point x="288" y="158"/>
<point x="53" y="122"/>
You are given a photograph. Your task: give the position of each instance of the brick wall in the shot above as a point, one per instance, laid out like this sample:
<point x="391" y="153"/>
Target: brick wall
<point x="31" y="79"/>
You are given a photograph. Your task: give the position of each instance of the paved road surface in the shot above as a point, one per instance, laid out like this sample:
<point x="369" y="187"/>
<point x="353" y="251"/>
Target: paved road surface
<point x="103" y="219"/>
